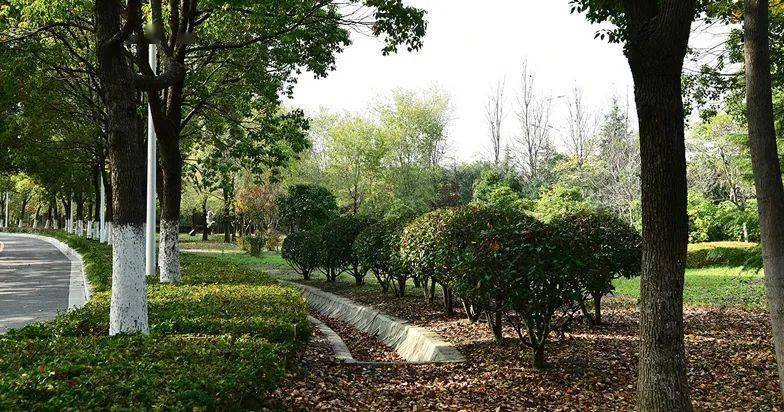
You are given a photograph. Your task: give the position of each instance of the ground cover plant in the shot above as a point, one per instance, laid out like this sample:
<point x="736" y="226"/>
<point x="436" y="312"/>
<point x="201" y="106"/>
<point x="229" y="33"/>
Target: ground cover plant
<point x="220" y="340"/>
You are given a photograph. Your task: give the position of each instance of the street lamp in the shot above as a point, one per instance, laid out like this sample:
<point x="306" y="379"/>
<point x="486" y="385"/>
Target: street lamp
<point x="152" y="157"/>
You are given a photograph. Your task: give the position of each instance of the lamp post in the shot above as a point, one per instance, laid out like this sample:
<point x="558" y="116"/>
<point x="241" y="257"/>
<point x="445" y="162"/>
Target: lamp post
<point x="152" y="163"/>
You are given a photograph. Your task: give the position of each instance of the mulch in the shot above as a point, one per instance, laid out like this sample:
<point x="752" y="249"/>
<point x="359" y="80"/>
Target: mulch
<point x="730" y="354"/>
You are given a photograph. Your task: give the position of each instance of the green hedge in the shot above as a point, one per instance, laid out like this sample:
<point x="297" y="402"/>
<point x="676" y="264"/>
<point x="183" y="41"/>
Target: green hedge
<point x="221" y="340"/>
<point x="702" y="255"/>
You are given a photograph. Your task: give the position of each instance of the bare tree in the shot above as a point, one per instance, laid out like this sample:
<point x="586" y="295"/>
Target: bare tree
<point x="582" y="127"/>
<point x="495" y="117"/>
<point x="533" y="112"/>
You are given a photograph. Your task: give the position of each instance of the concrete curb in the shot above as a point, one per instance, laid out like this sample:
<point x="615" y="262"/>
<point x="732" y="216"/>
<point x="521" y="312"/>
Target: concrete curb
<point x="79" y="289"/>
<point x="412" y="343"/>
<point x="339" y="347"/>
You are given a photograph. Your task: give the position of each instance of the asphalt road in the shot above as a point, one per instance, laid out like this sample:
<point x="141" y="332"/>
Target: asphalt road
<point x="34" y="281"/>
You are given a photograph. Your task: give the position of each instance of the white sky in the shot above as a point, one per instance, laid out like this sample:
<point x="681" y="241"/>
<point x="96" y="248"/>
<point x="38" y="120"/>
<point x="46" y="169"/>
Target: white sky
<point x="468" y="48"/>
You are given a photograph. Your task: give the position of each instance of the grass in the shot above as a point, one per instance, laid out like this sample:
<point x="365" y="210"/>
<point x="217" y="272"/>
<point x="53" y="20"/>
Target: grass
<point x="713" y="286"/>
<point x="221" y="340"/>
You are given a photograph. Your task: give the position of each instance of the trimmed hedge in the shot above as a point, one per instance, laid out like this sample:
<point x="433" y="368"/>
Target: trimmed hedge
<point x="221" y="340"/>
<point x="702" y="255"/>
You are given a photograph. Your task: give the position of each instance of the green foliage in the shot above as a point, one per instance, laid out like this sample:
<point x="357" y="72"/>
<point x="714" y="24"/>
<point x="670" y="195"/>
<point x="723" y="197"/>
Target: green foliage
<point x="224" y="321"/>
<point x="733" y="254"/>
<point x="302" y="251"/>
<point x="337" y="241"/>
<point x="498" y="190"/>
<point x="711" y="222"/>
<point x="559" y="201"/>
<point x="603" y="248"/>
<point x="377" y="249"/>
<point x="421" y="245"/>
<point x="304" y="207"/>
<point x="253" y="244"/>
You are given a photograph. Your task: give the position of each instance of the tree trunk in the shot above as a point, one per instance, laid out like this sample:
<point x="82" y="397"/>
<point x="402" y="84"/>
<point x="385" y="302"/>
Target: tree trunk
<point x="205" y="235"/>
<point x="170" y="198"/>
<point x="540" y="362"/>
<point x="127" y="152"/>
<point x="494" y="320"/>
<point x="765" y="163"/>
<point x="662" y="383"/>
<point x="79" y="214"/>
<point x="449" y="308"/>
<point x="597" y="309"/>
<point x="226" y="218"/>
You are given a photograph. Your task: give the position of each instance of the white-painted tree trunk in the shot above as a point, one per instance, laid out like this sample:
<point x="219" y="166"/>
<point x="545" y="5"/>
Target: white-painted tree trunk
<point x="6" y="220"/>
<point x="169" y="254"/>
<point x="79" y="228"/>
<point x="89" y="232"/>
<point x="35" y="224"/>
<point x="46" y="224"/>
<point x="19" y="223"/>
<point x="109" y="231"/>
<point x="128" y="309"/>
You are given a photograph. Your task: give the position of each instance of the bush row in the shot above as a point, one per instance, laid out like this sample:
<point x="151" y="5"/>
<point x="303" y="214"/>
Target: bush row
<point x="501" y="263"/>
<point x="224" y="321"/>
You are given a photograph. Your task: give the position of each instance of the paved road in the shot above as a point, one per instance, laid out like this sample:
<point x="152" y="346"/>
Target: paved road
<point x="34" y="281"/>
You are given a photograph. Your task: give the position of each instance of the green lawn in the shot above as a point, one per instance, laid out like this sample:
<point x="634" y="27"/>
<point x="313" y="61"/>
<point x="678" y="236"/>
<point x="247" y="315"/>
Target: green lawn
<point x="221" y="340"/>
<point x="714" y="286"/>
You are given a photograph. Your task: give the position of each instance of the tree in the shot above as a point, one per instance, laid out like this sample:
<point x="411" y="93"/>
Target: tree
<point x="655" y="34"/>
<point x="222" y="57"/>
<point x="533" y="112"/>
<point x="127" y="152"/>
<point x="494" y="112"/>
<point x="304" y="207"/>
<point x="581" y="127"/>
<point x="765" y="162"/>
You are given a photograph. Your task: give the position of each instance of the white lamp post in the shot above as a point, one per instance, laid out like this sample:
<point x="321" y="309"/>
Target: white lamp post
<point x="152" y="162"/>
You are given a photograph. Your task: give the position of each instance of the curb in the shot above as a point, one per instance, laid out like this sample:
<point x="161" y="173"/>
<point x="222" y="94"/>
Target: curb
<point x="413" y="343"/>
<point x="79" y="289"/>
<point x="339" y="347"/>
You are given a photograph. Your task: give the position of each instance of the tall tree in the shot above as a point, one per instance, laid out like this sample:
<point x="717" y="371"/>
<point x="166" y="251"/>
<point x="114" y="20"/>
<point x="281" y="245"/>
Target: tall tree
<point x="494" y="112"/>
<point x="656" y="36"/>
<point x="222" y="56"/>
<point x="765" y="162"/>
<point x="533" y="112"/>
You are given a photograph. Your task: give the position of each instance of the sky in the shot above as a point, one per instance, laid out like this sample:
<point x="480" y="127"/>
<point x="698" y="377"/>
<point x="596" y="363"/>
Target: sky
<point x="469" y="47"/>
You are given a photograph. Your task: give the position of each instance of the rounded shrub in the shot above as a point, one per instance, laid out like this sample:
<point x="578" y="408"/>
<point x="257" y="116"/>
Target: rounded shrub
<point x="420" y="248"/>
<point x="304" y="207"/>
<point x="602" y="247"/>
<point x="302" y="251"/>
<point x="377" y="249"/>
<point x="253" y="244"/>
<point x="337" y="253"/>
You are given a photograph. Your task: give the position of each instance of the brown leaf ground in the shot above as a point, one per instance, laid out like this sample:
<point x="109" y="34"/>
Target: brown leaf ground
<point x="730" y="354"/>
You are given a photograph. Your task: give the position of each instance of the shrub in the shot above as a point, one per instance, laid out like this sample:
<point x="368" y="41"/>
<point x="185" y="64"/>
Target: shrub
<point x="337" y="253"/>
<point x="707" y="254"/>
<point x="377" y="249"/>
<point x="486" y="248"/>
<point x="305" y="207"/>
<point x="543" y="287"/>
<point x="302" y="251"/>
<point x="420" y="249"/>
<point x="253" y="244"/>
<point x="603" y="248"/>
